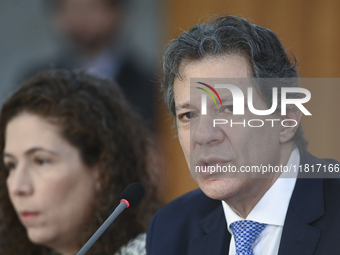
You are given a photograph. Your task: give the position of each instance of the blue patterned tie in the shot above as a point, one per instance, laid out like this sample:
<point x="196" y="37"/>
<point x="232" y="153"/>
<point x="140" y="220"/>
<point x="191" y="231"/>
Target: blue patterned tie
<point x="245" y="233"/>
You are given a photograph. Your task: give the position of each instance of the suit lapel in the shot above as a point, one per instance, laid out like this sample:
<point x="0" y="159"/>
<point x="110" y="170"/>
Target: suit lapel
<point x="215" y="238"/>
<point x="306" y="206"/>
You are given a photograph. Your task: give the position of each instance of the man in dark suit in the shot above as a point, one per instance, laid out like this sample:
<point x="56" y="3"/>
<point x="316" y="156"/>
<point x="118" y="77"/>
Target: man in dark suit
<point x="92" y="29"/>
<point x="258" y="193"/>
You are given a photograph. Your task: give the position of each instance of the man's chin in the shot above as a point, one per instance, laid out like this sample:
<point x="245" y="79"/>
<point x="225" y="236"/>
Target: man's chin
<point x="218" y="188"/>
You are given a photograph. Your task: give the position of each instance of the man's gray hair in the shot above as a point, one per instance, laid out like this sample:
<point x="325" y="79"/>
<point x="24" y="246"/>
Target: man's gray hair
<point x="233" y="35"/>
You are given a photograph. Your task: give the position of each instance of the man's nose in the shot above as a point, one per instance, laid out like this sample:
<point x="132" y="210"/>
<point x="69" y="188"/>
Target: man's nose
<point x="203" y="132"/>
<point x="19" y="182"/>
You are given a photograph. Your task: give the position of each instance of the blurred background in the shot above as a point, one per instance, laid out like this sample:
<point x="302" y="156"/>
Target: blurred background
<point x="40" y="34"/>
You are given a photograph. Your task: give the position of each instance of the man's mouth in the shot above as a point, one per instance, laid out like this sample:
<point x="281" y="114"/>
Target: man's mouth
<point x="211" y="164"/>
<point x="210" y="161"/>
<point x="212" y="167"/>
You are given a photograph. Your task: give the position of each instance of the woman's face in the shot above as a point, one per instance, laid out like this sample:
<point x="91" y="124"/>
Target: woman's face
<point x="50" y="187"/>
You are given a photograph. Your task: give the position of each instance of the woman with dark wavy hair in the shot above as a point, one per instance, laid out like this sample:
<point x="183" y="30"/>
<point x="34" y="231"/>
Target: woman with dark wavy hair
<point x="69" y="145"/>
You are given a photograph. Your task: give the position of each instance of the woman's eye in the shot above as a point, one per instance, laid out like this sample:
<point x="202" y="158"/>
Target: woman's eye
<point x="41" y="161"/>
<point x="10" y="166"/>
<point x="185" y="117"/>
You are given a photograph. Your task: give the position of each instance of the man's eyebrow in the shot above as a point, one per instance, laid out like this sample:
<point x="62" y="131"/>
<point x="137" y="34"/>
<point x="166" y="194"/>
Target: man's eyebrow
<point x="183" y="106"/>
<point x="227" y="98"/>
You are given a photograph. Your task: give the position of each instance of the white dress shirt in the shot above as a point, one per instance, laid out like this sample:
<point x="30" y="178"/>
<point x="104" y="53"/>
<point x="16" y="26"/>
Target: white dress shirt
<point x="271" y="210"/>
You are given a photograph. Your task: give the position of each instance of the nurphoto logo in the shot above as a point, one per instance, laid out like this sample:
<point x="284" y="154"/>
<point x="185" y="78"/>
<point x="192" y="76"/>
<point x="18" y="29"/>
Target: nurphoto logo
<point x="238" y="103"/>
<point x="238" y="99"/>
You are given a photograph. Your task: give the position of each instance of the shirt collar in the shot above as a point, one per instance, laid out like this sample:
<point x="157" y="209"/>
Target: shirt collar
<point x="272" y="207"/>
<point x="104" y="64"/>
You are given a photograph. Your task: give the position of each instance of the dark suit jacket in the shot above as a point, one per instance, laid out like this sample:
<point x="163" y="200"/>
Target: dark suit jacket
<point x="138" y="87"/>
<point x="195" y="224"/>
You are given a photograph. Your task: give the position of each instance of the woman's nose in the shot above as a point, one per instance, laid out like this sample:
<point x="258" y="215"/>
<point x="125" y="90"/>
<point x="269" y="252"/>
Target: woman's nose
<point x="19" y="182"/>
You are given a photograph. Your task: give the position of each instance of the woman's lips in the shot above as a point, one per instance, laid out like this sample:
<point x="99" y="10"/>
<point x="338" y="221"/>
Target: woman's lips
<point x="28" y="216"/>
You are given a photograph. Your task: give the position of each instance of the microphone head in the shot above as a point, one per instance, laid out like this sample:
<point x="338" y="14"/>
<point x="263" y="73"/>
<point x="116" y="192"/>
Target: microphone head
<point x="133" y="193"/>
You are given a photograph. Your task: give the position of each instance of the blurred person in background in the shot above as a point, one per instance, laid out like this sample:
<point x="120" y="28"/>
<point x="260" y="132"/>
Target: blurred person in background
<point x="93" y="30"/>
<point x="70" y="144"/>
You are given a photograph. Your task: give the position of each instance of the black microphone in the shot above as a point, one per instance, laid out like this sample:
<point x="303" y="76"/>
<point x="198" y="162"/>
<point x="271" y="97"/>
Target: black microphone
<point x="130" y="196"/>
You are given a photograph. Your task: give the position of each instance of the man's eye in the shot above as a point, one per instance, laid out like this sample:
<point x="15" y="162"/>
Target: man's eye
<point x="228" y="108"/>
<point x="185" y="117"/>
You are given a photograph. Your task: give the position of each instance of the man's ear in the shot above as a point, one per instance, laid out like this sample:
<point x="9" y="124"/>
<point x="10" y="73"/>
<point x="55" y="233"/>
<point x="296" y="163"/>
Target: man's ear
<point x="291" y="123"/>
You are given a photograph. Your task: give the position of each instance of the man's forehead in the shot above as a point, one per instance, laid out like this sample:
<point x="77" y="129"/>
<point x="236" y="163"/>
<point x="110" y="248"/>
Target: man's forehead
<point x="216" y="86"/>
<point x="212" y="70"/>
<point x="222" y="66"/>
